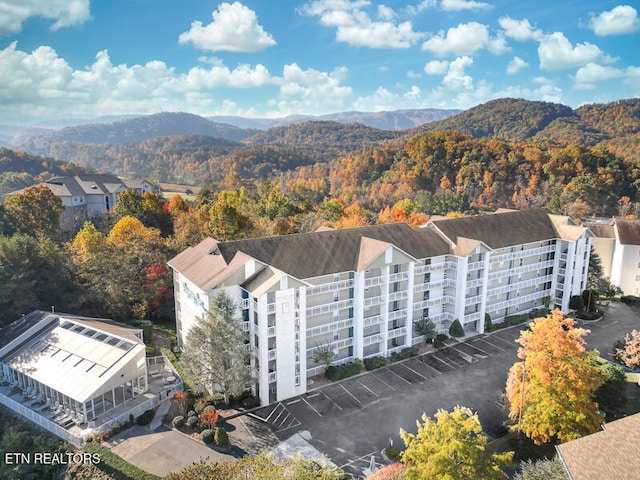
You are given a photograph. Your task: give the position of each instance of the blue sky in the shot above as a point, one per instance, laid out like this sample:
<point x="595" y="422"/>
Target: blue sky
<point x="65" y="59"/>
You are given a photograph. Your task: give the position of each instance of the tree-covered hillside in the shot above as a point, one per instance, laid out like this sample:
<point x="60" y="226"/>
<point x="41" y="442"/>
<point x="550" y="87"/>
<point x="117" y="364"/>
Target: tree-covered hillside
<point x="19" y="169"/>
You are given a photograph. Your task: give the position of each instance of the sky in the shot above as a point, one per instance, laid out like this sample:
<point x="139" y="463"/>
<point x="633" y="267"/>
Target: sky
<point x="81" y="59"/>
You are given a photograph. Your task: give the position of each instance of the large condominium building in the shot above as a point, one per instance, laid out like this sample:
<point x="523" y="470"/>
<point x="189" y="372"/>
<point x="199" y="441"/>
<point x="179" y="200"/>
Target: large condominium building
<point x="359" y="291"/>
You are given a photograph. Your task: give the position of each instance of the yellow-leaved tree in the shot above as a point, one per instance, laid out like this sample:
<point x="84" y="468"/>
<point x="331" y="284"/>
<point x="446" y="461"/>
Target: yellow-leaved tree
<point x="452" y="446"/>
<point x="550" y="393"/>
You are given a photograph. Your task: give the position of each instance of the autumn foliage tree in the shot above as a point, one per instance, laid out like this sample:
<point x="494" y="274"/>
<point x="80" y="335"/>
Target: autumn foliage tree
<point x="209" y="418"/>
<point x="629" y="354"/>
<point x="550" y="392"/>
<point x="35" y="211"/>
<point x="452" y="446"/>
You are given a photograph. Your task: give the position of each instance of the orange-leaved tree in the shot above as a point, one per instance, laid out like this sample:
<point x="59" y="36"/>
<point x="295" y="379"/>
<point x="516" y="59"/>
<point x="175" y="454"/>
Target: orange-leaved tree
<point x="550" y="392"/>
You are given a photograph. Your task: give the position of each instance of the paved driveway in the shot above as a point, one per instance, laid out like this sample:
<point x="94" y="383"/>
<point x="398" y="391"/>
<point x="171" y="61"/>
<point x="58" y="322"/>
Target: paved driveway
<point x="353" y="419"/>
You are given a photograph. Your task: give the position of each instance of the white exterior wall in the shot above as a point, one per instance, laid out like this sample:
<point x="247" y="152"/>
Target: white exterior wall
<point x="625" y="268"/>
<point x="191" y="304"/>
<point x="285" y="345"/>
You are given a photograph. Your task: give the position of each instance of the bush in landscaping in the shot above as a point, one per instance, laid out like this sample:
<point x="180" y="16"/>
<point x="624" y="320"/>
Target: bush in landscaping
<point x="405" y="353"/>
<point x="392" y="453"/>
<point x="207" y="435"/>
<point x="215" y="398"/>
<point x="150" y="351"/>
<point x="456" y="330"/>
<point x="488" y="326"/>
<point x="146" y="417"/>
<point x="515" y="319"/>
<point x="193" y="422"/>
<point x="178" y="421"/>
<point x="576" y="302"/>
<point x="147" y="330"/>
<point x="372" y="363"/>
<point x="343" y="371"/>
<point x="221" y="438"/>
<point x="250" y="402"/>
<point x="192" y="413"/>
<point x="440" y="340"/>
<point x="630" y="300"/>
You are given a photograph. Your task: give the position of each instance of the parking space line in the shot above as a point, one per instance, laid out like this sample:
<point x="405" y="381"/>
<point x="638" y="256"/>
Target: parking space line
<point x="367" y="388"/>
<point x="272" y="412"/>
<point x="293" y="401"/>
<point x="489" y="343"/>
<point x="329" y="398"/>
<point x="466" y="356"/>
<point x="311" y="407"/>
<point x="279" y="415"/>
<point x="511" y="344"/>
<point x="352" y="395"/>
<point x="399" y="376"/>
<point x="412" y="370"/>
<point x="454" y="366"/>
<point x="431" y="367"/>
<point x="376" y="376"/>
<point x="478" y="348"/>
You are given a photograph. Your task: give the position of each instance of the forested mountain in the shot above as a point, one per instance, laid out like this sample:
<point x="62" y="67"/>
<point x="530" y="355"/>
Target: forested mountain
<point x="19" y="169"/>
<point x="505" y="118"/>
<point x="138" y="129"/>
<point x="395" y="120"/>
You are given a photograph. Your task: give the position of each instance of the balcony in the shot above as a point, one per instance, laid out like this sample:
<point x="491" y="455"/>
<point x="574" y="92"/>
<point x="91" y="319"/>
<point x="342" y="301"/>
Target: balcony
<point x="245" y="303"/>
<point x="330" y="287"/>
<point x="330" y="307"/>
<point x="329" y="328"/>
<point x="271" y="332"/>
<point x="371" y="339"/>
<point x="518" y="301"/>
<point x="445" y="299"/>
<point x="397" y="332"/>
<point x="531" y="252"/>
<point x="372" y="321"/>
<point x="518" y="285"/>
<point x="435" y="267"/>
<point x="397" y="315"/>
<point x="373" y="301"/>
<point x="475" y="266"/>
<point x="445" y="282"/>
<point x="347" y="342"/>
<point x="523" y="269"/>
<point x="272" y="354"/>
<point x="473" y="300"/>
<point x="397" y="277"/>
<point x="374" y="281"/>
<point x="398" y="295"/>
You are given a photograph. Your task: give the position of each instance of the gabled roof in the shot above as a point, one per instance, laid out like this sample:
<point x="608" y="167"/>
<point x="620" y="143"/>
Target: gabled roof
<point x="307" y="255"/>
<point x="611" y="453"/>
<point x="601" y="230"/>
<point x="499" y="230"/>
<point x="628" y="231"/>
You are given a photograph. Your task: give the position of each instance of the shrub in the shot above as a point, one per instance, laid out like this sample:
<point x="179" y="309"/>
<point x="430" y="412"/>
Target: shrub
<point x="392" y="453"/>
<point x="193" y="422"/>
<point x="178" y="421"/>
<point x="150" y="351"/>
<point x="343" y="371"/>
<point x="456" y="330"/>
<point x="440" y="340"/>
<point x="147" y="330"/>
<point x="405" y="353"/>
<point x="146" y="417"/>
<point x="630" y="300"/>
<point x="359" y="363"/>
<point x="192" y="413"/>
<point x="250" y="402"/>
<point x="372" y="363"/>
<point x="215" y="398"/>
<point x="576" y="302"/>
<point x="221" y="438"/>
<point x="207" y="435"/>
<point x="487" y="323"/>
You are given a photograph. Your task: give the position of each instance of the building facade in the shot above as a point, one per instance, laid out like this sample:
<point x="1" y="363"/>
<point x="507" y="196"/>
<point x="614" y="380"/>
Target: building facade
<point x="358" y="292"/>
<point x="617" y="243"/>
<point x="88" y="196"/>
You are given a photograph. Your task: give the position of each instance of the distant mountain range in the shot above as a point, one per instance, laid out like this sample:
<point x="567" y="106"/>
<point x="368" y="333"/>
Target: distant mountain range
<point x="186" y="147"/>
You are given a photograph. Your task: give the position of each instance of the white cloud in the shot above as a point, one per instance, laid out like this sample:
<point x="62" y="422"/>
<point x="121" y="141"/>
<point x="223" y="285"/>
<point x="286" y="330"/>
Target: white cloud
<point x="618" y="21"/>
<point x="42" y="85"/>
<point x="63" y="13"/>
<point x="386" y="13"/>
<point x="515" y="65"/>
<point x="420" y="7"/>
<point x="412" y="74"/>
<point x="520" y="30"/>
<point x="234" y="28"/>
<point x="456" y="77"/>
<point x="465" y="39"/>
<point x="498" y="45"/>
<point x="436" y="67"/>
<point x="455" y="5"/>
<point x="588" y="76"/>
<point x="356" y="28"/>
<point x="556" y="53"/>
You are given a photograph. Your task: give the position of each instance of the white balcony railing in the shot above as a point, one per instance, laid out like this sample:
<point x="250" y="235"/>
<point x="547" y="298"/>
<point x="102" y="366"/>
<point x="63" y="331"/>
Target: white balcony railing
<point x="528" y="252"/>
<point x="397" y="332"/>
<point x="330" y="287"/>
<point x="330" y="307"/>
<point x="445" y="282"/>
<point x="518" y="270"/>
<point x="445" y="299"/>
<point x="519" y="285"/>
<point x="329" y="327"/>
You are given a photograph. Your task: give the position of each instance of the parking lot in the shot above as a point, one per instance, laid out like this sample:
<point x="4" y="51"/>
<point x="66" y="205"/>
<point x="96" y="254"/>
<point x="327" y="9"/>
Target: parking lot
<point x="356" y="418"/>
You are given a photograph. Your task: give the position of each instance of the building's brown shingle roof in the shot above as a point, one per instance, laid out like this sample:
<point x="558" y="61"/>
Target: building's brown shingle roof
<point x="609" y="454"/>
<point x="306" y="255"/>
<point x="601" y="230"/>
<point x="628" y="231"/>
<point x="501" y="230"/>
